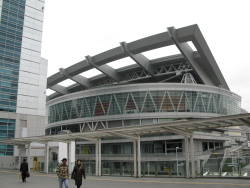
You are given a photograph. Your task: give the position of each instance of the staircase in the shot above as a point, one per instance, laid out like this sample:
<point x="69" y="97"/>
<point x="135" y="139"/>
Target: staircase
<point x="213" y="163"/>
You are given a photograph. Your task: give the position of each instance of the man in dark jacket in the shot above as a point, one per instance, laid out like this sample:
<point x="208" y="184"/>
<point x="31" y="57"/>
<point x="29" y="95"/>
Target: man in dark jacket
<point x="24" y="169"/>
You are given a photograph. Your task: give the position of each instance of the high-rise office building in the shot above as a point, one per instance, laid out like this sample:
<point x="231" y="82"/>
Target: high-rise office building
<point x="23" y="72"/>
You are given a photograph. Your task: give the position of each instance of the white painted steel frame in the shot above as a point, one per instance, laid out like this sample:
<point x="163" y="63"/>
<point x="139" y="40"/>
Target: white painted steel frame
<point x="134" y="133"/>
<point x="203" y="61"/>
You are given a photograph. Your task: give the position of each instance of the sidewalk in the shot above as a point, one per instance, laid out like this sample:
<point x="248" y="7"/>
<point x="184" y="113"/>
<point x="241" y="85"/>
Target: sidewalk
<point x="9" y="179"/>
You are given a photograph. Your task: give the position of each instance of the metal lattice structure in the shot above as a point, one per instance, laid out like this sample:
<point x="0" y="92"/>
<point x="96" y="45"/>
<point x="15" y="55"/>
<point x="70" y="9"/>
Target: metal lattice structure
<point x="167" y="69"/>
<point x="188" y="79"/>
<point x="143" y="102"/>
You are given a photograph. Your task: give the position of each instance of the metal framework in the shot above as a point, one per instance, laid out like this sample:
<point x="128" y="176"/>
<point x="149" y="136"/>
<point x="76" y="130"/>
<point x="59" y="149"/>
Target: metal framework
<point x="140" y="59"/>
<point x="183" y="127"/>
<point x="142" y="102"/>
<point x="188" y="79"/>
<point x="201" y="63"/>
<point x="78" y="79"/>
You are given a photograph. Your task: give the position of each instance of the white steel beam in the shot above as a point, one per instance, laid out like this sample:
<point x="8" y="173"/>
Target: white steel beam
<point x="192" y="155"/>
<point x="96" y="158"/>
<point x="82" y="137"/>
<point x="187" y="157"/>
<point x="178" y="131"/>
<point x="246" y="122"/>
<point x="59" y="89"/>
<point x="77" y="78"/>
<point x="141" y="60"/>
<point x="188" y="54"/>
<point x="139" y="155"/>
<point x="46" y="161"/>
<point x="100" y="157"/>
<point x="134" y="102"/>
<point x="69" y="155"/>
<point x="124" y="135"/>
<point x="135" y="159"/>
<point x="105" y="69"/>
<point x="29" y="156"/>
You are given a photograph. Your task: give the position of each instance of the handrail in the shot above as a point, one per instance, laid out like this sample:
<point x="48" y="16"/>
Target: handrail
<point x="223" y="161"/>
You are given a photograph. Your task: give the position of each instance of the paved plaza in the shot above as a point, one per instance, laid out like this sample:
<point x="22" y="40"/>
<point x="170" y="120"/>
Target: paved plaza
<point x="9" y="179"/>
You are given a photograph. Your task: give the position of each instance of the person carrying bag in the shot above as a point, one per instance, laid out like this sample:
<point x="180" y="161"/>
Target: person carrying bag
<point x="78" y="173"/>
<point x="24" y="170"/>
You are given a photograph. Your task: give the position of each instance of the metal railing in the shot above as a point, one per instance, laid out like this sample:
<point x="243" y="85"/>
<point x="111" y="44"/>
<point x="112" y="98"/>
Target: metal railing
<point x="214" y="167"/>
<point x="172" y="154"/>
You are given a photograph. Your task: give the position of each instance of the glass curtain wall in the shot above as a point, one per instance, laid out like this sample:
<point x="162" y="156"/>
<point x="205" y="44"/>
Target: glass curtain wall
<point x="7" y="131"/>
<point x="11" y="29"/>
<point x="144" y="102"/>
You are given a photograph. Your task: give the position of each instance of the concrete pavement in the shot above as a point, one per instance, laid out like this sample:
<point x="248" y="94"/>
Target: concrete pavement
<point x="9" y="179"/>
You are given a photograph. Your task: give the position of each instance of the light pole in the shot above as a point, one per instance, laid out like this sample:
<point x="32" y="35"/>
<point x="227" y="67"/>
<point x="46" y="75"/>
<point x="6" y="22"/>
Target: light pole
<point x="177" y="160"/>
<point x="238" y="149"/>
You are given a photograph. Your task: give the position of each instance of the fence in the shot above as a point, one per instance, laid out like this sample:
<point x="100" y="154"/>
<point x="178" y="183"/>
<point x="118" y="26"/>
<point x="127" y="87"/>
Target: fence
<point x="213" y="167"/>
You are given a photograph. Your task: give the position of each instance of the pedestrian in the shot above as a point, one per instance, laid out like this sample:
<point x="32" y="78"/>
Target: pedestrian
<point x="62" y="172"/>
<point x="78" y="173"/>
<point x="24" y="169"/>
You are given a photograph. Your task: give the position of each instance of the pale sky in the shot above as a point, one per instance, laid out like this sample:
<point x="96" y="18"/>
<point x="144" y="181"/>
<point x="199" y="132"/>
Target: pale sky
<point x="76" y="28"/>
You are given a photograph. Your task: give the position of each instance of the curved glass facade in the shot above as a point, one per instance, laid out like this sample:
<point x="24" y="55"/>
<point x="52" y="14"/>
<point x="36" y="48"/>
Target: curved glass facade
<point x="143" y="102"/>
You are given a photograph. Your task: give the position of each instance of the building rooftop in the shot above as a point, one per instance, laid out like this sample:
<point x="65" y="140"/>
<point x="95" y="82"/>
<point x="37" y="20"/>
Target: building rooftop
<point x="199" y="62"/>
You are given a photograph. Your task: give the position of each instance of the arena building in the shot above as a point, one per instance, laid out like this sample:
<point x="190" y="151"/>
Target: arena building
<point x="179" y="87"/>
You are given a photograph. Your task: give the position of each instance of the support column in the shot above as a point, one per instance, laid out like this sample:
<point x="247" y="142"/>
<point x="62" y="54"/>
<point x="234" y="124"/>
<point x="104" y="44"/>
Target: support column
<point x="135" y="165"/>
<point x="19" y="157"/>
<point x="68" y="152"/>
<point x="29" y="156"/>
<point x="46" y="161"/>
<point x="96" y="158"/>
<point x="192" y="155"/>
<point x="187" y="157"/>
<point x="139" y="156"/>
<point x="69" y="155"/>
<point x="198" y="166"/>
<point x="100" y="157"/>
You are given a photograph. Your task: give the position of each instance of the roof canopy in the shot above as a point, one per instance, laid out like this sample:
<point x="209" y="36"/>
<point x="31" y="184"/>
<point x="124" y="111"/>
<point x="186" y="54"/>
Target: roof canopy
<point x="202" y="62"/>
<point x="182" y="127"/>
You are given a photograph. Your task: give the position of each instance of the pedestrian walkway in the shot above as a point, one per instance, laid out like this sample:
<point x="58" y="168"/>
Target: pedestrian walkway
<point x="9" y="179"/>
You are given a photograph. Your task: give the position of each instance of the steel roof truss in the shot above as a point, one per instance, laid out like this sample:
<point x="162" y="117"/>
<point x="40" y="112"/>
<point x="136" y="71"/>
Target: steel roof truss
<point x="187" y="52"/>
<point x="177" y="131"/>
<point x="59" y="89"/>
<point x="105" y="69"/>
<point x="140" y="59"/>
<point x="83" y="137"/>
<point x="124" y="135"/>
<point x="77" y="78"/>
<point x="246" y="122"/>
<point x="175" y="126"/>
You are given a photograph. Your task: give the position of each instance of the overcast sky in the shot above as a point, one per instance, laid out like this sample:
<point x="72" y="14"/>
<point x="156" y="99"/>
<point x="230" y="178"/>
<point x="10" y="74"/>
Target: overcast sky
<point x="76" y="28"/>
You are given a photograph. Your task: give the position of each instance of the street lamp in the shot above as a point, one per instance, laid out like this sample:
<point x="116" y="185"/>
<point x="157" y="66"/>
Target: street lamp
<point x="177" y="160"/>
<point x="238" y="149"/>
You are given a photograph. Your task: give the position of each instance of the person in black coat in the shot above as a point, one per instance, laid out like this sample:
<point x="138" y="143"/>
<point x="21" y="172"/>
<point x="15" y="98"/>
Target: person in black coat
<point x="78" y="173"/>
<point x="24" y="169"/>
